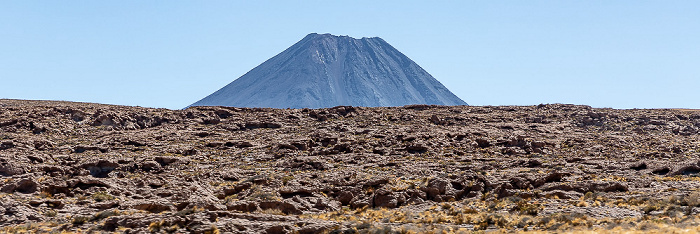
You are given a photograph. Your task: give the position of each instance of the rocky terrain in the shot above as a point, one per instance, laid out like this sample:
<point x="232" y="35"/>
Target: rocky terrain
<point x="80" y="167"/>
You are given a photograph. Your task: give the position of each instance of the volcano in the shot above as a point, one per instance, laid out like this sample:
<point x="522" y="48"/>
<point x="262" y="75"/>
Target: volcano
<point x="324" y="70"/>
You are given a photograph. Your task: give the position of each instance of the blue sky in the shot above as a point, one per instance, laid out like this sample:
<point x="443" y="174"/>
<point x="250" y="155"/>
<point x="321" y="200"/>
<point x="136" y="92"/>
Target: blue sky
<point x="620" y="54"/>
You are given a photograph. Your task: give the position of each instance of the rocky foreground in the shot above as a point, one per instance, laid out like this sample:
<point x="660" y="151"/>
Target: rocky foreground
<point x="80" y="167"/>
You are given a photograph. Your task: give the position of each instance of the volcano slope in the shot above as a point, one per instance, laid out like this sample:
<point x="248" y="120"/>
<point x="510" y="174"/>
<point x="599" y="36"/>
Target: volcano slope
<point x="90" y="167"/>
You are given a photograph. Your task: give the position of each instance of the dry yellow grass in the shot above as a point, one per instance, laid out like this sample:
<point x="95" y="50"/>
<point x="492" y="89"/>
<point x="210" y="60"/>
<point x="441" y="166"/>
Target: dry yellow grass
<point x="484" y="215"/>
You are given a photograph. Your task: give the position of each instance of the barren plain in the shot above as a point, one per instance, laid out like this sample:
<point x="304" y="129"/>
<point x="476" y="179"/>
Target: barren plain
<point x="81" y="167"/>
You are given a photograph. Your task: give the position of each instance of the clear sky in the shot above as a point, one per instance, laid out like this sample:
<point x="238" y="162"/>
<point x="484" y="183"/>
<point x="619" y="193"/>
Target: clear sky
<point x="168" y="53"/>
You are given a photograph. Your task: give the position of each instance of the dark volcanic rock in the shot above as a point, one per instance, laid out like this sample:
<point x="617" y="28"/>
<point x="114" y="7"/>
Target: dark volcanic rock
<point x="105" y="168"/>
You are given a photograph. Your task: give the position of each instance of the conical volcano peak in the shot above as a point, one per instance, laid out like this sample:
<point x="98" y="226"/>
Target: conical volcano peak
<point x="328" y="35"/>
<point x="324" y="70"/>
<point x="343" y="39"/>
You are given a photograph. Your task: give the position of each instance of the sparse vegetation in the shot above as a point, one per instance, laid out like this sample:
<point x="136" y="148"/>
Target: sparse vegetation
<point x="102" y="196"/>
<point x="155" y="226"/>
<point x="478" y="169"/>
<point x="105" y="214"/>
<point x="79" y="220"/>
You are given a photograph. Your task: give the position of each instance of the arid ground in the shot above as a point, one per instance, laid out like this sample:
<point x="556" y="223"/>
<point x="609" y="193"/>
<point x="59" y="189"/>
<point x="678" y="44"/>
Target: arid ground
<point x="80" y="167"/>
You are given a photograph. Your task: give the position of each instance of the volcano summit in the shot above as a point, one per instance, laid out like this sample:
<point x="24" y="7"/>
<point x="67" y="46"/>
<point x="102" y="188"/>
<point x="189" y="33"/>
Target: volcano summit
<point x="324" y="70"/>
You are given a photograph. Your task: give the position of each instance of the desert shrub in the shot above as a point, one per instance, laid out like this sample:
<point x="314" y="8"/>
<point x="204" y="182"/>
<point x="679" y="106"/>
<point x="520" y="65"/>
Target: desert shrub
<point x="105" y="214"/>
<point x="51" y="213"/>
<point x="258" y="193"/>
<point x="214" y="230"/>
<point x="188" y="211"/>
<point x="231" y="198"/>
<point x="272" y="211"/>
<point x="446" y="206"/>
<point x="286" y="179"/>
<point x="79" y="220"/>
<point x="527" y="208"/>
<point x="651" y="207"/>
<point x="156" y="226"/>
<point x="693" y="199"/>
<point x="102" y="196"/>
<point x="45" y="194"/>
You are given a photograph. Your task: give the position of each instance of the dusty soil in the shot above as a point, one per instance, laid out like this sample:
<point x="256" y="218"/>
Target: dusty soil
<point x="90" y="167"/>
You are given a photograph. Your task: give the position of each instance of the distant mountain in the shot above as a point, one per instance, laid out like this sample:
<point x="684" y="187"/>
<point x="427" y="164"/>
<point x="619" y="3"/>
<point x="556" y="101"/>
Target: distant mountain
<point x="323" y="70"/>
